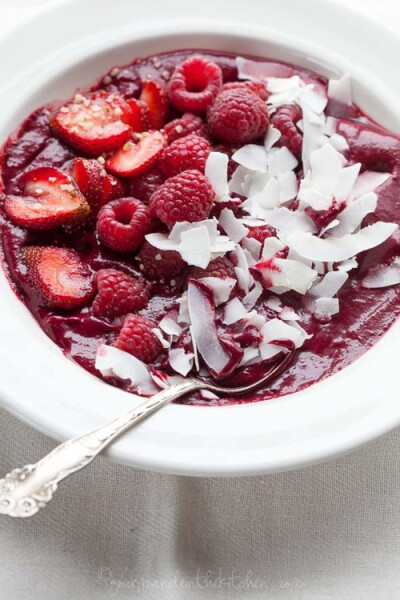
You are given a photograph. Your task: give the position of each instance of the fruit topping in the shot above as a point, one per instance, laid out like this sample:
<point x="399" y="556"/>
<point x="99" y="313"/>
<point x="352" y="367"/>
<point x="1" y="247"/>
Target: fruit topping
<point x="194" y="84"/>
<point x="140" y="116"/>
<point x="185" y="197"/>
<point x="186" y="124"/>
<point x="237" y="117"/>
<point x="285" y="120"/>
<point x="163" y="264"/>
<point x="123" y="223"/>
<point x="257" y="87"/>
<point x="95" y="183"/>
<point x="143" y="187"/>
<point x="94" y="123"/>
<point x="219" y="267"/>
<point x="59" y="276"/>
<point x="50" y="199"/>
<point x="133" y="159"/>
<point x="138" y="338"/>
<point x="118" y="294"/>
<point x="190" y="152"/>
<point x="154" y="97"/>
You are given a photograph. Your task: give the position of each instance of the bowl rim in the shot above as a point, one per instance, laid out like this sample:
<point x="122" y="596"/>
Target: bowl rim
<point x="229" y="440"/>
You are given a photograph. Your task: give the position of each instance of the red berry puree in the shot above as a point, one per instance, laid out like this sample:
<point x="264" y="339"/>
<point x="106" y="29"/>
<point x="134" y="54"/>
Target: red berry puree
<point x="202" y="213"/>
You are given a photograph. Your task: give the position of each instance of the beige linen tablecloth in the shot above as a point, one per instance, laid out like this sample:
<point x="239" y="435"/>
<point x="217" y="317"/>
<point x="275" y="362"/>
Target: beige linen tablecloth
<point x="328" y="532"/>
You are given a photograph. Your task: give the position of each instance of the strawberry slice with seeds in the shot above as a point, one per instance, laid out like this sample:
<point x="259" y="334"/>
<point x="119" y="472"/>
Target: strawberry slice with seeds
<point x="140" y="115"/>
<point x="50" y="199"/>
<point x="94" y="123"/>
<point x="95" y="183"/>
<point x="59" y="276"/>
<point x="134" y="159"/>
<point x="154" y="97"/>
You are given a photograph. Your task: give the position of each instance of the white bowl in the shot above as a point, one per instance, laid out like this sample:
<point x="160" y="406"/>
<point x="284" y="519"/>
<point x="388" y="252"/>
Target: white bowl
<point x="58" y="397"/>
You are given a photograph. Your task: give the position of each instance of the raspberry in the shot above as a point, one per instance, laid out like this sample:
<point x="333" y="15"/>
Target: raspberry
<point x="118" y="294"/>
<point x="185" y="197"/>
<point x="137" y="338"/>
<point x="261" y="233"/>
<point x="190" y="152"/>
<point x="144" y="187"/>
<point x="188" y="123"/>
<point x="257" y="87"/>
<point x="194" y="84"/>
<point x="163" y="264"/>
<point x="237" y="117"/>
<point x="123" y="223"/>
<point x="285" y="120"/>
<point x="219" y="267"/>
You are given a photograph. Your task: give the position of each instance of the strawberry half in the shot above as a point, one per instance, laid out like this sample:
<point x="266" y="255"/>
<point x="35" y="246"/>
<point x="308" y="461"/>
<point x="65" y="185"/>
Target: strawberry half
<point x="140" y="121"/>
<point x="50" y="199"/>
<point x="94" y="123"/>
<point x="59" y="275"/>
<point x="154" y="97"/>
<point x="134" y="159"/>
<point x="95" y="183"/>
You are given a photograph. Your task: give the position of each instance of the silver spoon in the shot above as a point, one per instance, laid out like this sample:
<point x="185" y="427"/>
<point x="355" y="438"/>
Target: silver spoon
<point x="25" y="490"/>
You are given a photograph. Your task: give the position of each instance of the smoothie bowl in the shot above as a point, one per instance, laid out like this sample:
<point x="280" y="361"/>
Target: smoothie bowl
<point x="203" y="207"/>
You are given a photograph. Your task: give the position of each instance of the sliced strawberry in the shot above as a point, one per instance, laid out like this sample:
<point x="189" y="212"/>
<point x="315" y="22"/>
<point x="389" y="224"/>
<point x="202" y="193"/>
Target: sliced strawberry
<point x="155" y="98"/>
<point x="94" y="123"/>
<point x="112" y="188"/>
<point x="59" y="275"/>
<point x="95" y="183"/>
<point x="140" y="112"/>
<point x="135" y="159"/>
<point x="50" y="199"/>
<point x="89" y="175"/>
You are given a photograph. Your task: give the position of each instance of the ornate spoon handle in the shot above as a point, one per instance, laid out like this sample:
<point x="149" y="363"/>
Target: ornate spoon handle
<point x="24" y="491"/>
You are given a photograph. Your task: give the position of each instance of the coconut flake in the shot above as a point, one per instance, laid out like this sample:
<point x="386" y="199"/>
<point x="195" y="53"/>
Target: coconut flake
<point x="288" y="314"/>
<point x="221" y="288"/>
<point x="216" y="171"/>
<point x="283" y="90"/>
<point x="369" y="181"/>
<point x="251" y="298"/>
<point x="334" y="249"/>
<point x="340" y="89"/>
<point x="271" y="137"/>
<point x="170" y="327"/>
<point x="164" y="343"/>
<point x="232" y="226"/>
<point x="253" y="246"/>
<point x="238" y="179"/>
<point x="234" y="311"/>
<point x="180" y="361"/>
<point x="325" y="308"/>
<point x="272" y="247"/>
<point x="353" y="215"/>
<point x="268" y="351"/>
<point x="276" y="330"/>
<point x="281" y="160"/>
<point x="204" y="332"/>
<point x="250" y="356"/>
<point x="286" y="274"/>
<point x="383" y="275"/>
<point x="195" y="247"/>
<point x="112" y="362"/>
<point x="329" y="285"/>
<point x="197" y="243"/>
<point x="284" y="219"/>
<point x="252" y="157"/>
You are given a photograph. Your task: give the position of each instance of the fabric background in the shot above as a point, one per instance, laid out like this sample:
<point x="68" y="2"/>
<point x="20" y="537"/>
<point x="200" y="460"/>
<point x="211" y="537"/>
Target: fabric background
<point x="326" y="532"/>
